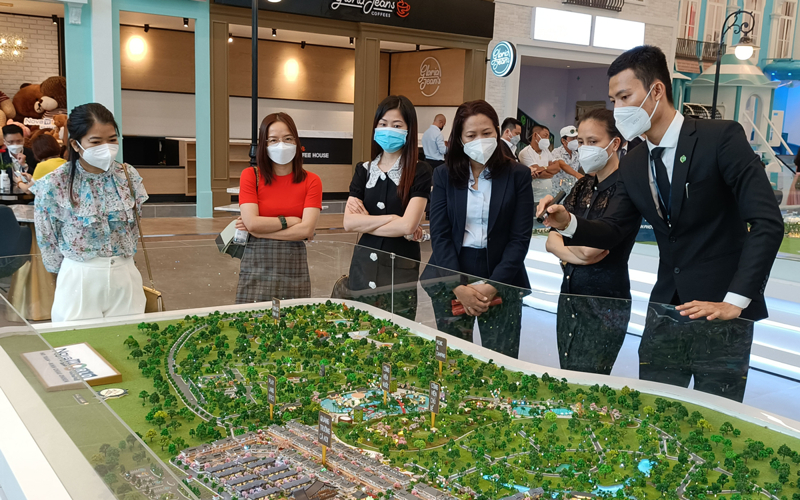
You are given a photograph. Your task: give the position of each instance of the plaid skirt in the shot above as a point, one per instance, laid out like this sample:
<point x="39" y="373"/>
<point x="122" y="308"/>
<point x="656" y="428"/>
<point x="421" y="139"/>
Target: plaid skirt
<point x="273" y="269"/>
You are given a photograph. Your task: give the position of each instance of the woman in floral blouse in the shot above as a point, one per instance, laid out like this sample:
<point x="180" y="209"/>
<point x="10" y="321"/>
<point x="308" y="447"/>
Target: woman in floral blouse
<point x="85" y="223"/>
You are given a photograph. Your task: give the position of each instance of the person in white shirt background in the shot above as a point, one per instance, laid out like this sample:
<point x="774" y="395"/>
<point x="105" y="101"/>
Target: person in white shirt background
<point x="566" y="177"/>
<point x="538" y="158"/>
<point x="433" y="144"/>
<point x="511" y="131"/>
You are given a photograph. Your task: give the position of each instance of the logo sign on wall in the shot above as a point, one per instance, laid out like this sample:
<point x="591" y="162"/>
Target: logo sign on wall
<point x="430" y="76"/>
<point x="380" y="8"/>
<point x="504" y="58"/>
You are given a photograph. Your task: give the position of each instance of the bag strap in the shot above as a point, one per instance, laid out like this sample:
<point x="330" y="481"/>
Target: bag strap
<point x="139" y="225"/>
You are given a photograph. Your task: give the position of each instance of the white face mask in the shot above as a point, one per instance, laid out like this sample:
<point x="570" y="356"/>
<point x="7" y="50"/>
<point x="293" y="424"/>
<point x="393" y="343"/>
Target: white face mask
<point x="101" y="156"/>
<point x="480" y="150"/>
<point x="282" y="153"/>
<point x="15" y="148"/>
<point x="633" y="121"/>
<point x="573" y="145"/>
<point x="544" y="144"/>
<point x="514" y="140"/>
<point x="594" y="158"/>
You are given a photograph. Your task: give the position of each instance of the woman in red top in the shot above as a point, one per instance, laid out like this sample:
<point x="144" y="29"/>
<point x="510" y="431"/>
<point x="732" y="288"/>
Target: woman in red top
<point x="280" y="205"/>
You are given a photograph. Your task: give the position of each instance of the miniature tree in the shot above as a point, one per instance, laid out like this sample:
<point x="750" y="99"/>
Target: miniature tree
<point x="150" y="435"/>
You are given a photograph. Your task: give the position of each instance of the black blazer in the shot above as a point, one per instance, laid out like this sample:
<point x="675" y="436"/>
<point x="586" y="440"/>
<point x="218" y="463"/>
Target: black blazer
<point x="510" y="224"/>
<point x="508" y="151"/>
<point x="717" y="191"/>
<point x="5" y="157"/>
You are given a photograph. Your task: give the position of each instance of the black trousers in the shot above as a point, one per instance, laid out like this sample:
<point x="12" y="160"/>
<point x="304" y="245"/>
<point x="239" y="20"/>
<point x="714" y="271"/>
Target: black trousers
<point x="716" y="353"/>
<point x="499" y="326"/>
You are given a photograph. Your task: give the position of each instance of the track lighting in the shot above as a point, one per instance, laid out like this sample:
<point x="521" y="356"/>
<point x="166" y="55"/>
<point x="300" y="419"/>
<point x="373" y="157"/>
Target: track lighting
<point x="55" y="19"/>
<point x="417" y="47"/>
<point x="351" y="40"/>
<point x="146" y="28"/>
<point x="274" y="32"/>
<point x="230" y="37"/>
<point x="303" y="44"/>
<point x="185" y="22"/>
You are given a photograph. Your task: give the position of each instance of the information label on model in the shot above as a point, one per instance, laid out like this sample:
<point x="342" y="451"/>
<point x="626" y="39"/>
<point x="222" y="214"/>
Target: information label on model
<point x="271" y="383"/>
<point x="433" y="400"/>
<point x="386" y="377"/>
<point x="276" y="309"/>
<point x="322" y="370"/>
<point x="325" y="421"/>
<point x="441" y="349"/>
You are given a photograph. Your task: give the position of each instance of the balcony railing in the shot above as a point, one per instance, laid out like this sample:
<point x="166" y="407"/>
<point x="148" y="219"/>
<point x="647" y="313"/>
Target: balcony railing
<point x="615" y="5"/>
<point x="696" y="49"/>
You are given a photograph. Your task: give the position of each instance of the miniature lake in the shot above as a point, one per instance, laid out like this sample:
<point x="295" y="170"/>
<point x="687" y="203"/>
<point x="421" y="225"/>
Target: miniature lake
<point x="524" y="410"/>
<point x="369" y="400"/>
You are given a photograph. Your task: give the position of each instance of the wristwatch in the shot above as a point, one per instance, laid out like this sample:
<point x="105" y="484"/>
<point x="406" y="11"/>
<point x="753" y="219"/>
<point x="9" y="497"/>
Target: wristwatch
<point x="284" y="225"/>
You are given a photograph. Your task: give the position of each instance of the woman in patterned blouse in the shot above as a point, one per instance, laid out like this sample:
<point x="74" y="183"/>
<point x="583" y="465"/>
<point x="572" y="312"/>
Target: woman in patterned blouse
<point x="85" y="223"/>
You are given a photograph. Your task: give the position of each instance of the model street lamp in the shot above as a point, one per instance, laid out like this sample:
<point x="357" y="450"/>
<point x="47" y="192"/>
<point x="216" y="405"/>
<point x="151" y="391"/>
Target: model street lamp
<point x="743" y="50"/>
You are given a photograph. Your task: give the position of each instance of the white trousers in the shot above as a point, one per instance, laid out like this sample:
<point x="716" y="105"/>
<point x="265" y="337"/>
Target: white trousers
<point x="99" y="288"/>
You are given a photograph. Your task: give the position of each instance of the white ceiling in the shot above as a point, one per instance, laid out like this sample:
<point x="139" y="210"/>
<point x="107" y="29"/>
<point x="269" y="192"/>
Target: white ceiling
<point x="558" y="63"/>
<point x="30" y="8"/>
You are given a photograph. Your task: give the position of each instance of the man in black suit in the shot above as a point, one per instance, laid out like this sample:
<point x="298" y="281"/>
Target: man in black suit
<point x="14" y="154"/>
<point x="511" y="131"/>
<point x="700" y="185"/>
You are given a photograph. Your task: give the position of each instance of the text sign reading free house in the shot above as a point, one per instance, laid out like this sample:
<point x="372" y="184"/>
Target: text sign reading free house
<point x="503" y="59"/>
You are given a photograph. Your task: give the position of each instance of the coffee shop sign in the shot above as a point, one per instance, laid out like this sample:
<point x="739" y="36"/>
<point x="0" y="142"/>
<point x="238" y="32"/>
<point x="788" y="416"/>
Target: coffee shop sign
<point x="381" y="8"/>
<point x="430" y="76"/>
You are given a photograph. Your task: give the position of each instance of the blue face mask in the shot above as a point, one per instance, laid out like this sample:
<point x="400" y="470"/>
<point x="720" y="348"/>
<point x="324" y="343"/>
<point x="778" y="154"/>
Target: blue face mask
<point x="390" y="140"/>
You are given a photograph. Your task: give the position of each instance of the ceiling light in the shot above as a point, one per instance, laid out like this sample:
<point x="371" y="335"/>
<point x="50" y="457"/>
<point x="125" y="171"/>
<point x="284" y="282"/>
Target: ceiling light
<point x="185" y="22"/>
<point x="274" y="32"/>
<point x="303" y="44"/>
<point x="146" y="28"/>
<point x="55" y="19"/>
<point x="351" y="40"/>
<point x="273" y="1"/>
<point x="230" y="37"/>
<point x="417" y="47"/>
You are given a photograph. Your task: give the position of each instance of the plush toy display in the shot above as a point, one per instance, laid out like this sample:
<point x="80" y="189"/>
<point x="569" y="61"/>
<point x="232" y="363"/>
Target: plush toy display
<point x="25" y="101"/>
<point x="7" y="111"/>
<point x="54" y="97"/>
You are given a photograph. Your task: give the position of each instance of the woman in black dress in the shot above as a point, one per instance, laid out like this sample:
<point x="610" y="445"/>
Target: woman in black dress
<point x="594" y="308"/>
<point x="387" y="201"/>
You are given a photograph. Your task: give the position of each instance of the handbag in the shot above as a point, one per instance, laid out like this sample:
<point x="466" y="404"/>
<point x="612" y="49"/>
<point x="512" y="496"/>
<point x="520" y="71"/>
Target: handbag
<point x="225" y="239"/>
<point x="154" y="301"/>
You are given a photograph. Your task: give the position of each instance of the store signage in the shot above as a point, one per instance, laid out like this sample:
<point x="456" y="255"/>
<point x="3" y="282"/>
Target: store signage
<point x="322" y="151"/>
<point x="324" y="423"/>
<point x="276" y="309"/>
<point x="474" y="17"/>
<point x="504" y="59"/>
<point x="271" y="390"/>
<point x="433" y="398"/>
<point x="66" y="367"/>
<point x="430" y="76"/>
<point x="441" y="349"/>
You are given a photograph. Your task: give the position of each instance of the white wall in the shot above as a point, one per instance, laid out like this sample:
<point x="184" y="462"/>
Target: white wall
<point x="39" y="62"/>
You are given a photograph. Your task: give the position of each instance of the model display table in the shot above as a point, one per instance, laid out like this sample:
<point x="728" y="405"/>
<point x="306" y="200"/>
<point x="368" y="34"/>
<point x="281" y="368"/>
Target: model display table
<point x="231" y="398"/>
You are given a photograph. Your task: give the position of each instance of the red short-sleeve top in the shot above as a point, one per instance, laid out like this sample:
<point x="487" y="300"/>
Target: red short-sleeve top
<point x="282" y="197"/>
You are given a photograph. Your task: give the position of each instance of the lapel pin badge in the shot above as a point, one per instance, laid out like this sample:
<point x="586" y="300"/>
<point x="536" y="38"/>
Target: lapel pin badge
<point x="683" y="159"/>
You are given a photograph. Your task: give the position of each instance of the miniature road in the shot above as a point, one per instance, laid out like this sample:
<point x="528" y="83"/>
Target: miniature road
<point x="179" y="384"/>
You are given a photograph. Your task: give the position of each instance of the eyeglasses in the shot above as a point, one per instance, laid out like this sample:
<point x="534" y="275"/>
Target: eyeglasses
<point x="272" y="141"/>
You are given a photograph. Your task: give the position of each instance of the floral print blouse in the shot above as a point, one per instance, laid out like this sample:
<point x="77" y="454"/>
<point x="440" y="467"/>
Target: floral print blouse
<point x="97" y="222"/>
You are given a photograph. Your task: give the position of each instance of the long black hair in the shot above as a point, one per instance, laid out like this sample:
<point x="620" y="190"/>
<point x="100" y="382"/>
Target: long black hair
<point x="410" y="150"/>
<point x="80" y="121"/>
<point x="457" y="161"/>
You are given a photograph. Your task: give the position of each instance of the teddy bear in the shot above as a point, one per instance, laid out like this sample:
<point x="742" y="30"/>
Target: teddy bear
<point x="7" y="110"/>
<point x="54" y="97"/>
<point x="25" y="101"/>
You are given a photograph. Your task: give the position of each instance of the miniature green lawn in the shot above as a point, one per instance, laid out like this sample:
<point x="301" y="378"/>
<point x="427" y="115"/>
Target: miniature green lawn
<point x="309" y="336"/>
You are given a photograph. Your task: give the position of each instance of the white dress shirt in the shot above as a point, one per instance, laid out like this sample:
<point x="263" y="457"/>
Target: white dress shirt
<point x="476" y="228"/>
<point x="511" y="147"/>
<point x="670" y="144"/>
<point x="529" y="157"/>
<point x="433" y="144"/>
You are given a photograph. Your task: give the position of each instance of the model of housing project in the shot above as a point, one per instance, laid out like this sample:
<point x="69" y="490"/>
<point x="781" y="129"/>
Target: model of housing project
<point x="205" y="384"/>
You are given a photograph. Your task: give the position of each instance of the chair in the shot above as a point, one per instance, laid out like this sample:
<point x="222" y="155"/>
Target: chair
<point x="15" y="245"/>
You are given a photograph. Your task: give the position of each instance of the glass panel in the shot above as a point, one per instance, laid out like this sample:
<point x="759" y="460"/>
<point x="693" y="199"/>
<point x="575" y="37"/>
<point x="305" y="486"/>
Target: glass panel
<point x="61" y="438"/>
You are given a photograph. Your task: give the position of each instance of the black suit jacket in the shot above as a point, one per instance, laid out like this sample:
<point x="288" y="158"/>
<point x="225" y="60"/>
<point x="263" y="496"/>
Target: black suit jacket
<point x="717" y="191"/>
<point x="5" y="157"/>
<point x="509" y="231"/>
<point x="508" y="151"/>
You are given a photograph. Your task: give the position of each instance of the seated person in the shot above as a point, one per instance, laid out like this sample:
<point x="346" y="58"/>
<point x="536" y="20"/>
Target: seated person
<point x="14" y="153"/>
<point x="47" y="152"/>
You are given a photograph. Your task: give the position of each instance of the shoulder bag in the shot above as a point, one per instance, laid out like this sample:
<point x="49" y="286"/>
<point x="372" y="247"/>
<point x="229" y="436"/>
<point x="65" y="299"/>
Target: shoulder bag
<point x="154" y="299"/>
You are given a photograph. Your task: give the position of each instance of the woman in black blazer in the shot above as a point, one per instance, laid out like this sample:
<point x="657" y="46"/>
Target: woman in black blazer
<point x="482" y="230"/>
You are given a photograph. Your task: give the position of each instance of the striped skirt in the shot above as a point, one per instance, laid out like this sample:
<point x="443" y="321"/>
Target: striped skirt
<point x="273" y="269"/>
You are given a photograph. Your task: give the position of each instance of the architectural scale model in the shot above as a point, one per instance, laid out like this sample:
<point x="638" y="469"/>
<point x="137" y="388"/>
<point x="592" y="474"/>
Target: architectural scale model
<point x="234" y="401"/>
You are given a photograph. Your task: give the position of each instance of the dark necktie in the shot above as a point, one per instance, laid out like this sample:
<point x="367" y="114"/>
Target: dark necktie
<point x="622" y="153"/>
<point x="662" y="181"/>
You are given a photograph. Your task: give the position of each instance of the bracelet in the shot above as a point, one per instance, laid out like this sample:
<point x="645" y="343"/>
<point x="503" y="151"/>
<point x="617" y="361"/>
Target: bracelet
<point x="284" y="225"/>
